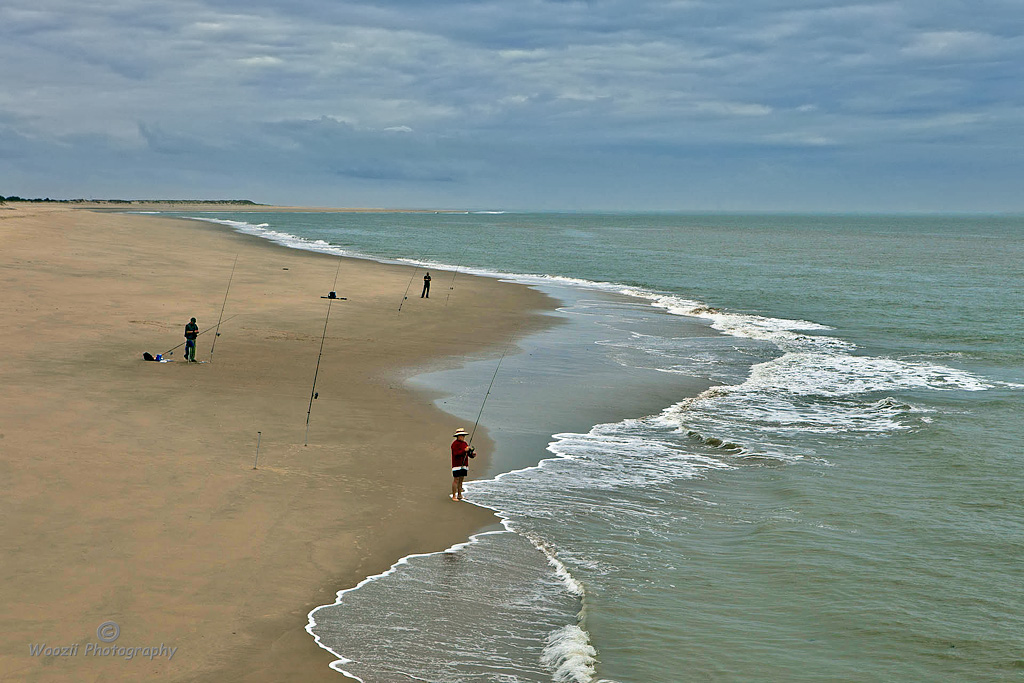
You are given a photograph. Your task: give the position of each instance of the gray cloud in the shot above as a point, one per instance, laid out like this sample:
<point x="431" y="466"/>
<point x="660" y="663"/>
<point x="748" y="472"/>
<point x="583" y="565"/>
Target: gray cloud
<point x="464" y="102"/>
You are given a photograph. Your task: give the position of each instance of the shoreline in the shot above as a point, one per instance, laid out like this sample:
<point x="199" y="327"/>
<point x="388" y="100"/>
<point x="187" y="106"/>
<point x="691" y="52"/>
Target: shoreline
<point x="596" y="411"/>
<point x="213" y="559"/>
<point x="131" y="205"/>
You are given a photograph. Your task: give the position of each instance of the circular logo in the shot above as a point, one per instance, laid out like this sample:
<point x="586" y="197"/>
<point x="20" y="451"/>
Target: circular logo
<point x="108" y="631"/>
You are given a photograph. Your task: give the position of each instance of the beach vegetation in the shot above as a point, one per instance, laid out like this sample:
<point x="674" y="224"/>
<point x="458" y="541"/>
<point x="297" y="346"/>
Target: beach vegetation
<point x="236" y="202"/>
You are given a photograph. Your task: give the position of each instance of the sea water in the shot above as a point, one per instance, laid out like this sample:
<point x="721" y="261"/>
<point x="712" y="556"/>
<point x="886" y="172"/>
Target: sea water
<point x="759" y="448"/>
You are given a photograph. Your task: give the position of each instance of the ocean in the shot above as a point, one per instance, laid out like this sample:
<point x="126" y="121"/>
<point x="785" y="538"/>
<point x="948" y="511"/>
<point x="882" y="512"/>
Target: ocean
<point x="758" y="448"/>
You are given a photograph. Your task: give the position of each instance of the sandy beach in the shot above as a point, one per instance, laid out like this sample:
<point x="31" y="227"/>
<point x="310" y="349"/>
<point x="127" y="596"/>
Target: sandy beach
<point x="129" y="493"/>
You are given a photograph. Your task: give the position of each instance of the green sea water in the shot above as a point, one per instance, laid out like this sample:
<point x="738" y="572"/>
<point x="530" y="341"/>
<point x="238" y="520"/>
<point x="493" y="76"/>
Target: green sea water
<point x="775" y="448"/>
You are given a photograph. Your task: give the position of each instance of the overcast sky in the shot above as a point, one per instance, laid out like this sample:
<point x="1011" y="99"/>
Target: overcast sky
<point x="804" y="105"/>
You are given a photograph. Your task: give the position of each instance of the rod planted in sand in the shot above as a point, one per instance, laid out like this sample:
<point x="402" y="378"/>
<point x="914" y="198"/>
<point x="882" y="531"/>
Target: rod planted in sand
<point x="258" y="435"/>
<point x="316" y="373"/>
<point x="230" y="277"/>
<point x="406" y="295"/>
<point x="452" y="285"/>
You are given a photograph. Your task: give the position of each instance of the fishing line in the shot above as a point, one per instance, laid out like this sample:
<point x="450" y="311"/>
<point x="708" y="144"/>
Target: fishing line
<point x="312" y="392"/>
<point x="222" y="307"/>
<point x="168" y="352"/>
<point x="487" y="395"/>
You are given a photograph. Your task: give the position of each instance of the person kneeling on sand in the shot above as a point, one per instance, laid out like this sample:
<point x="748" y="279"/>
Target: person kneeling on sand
<point x="461" y="453"/>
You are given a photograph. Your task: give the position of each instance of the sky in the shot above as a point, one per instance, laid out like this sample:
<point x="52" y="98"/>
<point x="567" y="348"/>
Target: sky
<point x="610" y="105"/>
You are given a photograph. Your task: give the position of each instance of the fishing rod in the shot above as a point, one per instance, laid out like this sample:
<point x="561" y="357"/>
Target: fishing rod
<point x="316" y="373"/>
<point x="222" y="307"/>
<point x="169" y="352"/>
<point x="487" y="395"/>
<point x="406" y="295"/>
<point x="452" y="285"/>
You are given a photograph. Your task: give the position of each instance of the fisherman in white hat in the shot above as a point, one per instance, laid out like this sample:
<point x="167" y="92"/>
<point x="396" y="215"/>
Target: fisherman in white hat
<point x="461" y="453"/>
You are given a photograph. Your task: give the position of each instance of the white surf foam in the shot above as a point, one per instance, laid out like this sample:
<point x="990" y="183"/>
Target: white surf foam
<point x="570" y="655"/>
<point x="283" y="238"/>
<point x="311" y="623"/>
<point x="817" y="385"/>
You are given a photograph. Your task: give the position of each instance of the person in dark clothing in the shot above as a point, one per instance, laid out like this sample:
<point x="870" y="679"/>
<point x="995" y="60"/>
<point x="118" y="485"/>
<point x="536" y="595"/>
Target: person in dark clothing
<point x="191" y="333"/>
<point x="426" y="286"/>
<point x="461" y="453"/>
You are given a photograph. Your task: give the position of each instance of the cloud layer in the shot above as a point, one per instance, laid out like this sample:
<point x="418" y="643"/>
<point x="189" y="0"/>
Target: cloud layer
<point x="660" y="105"/>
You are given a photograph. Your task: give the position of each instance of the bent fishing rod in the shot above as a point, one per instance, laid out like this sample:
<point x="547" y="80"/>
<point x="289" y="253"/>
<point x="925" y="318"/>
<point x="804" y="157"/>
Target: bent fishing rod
<point x="316" y="373"/>
<point x="170" y="351"/>
<point x="230" y="277"/>
<point x="488" y="394"/>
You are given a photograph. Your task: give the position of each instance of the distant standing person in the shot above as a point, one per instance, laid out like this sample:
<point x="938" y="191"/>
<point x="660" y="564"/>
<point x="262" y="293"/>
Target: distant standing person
<point x="461" y="453"/>
<point x="426" y="286"/>
<point x="191" y="332"/>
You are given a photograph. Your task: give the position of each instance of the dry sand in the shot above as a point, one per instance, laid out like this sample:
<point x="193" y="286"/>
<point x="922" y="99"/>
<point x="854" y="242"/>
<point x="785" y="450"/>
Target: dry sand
<point x="128" y="488"/>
